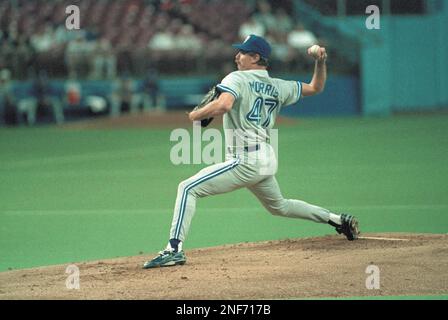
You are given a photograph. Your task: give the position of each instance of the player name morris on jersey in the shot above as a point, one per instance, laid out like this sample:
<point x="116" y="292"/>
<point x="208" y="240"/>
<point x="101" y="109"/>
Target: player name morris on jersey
<point x="264" y="88"/>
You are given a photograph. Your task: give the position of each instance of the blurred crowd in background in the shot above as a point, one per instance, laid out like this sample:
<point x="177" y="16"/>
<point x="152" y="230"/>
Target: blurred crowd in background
<point x="129" y="36"/>
<point x="131" y="55"/>
<point x="131" y="44"/>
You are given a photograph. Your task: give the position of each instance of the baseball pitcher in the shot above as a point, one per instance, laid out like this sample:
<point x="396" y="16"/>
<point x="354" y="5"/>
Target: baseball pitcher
<point x="250" y="101"/>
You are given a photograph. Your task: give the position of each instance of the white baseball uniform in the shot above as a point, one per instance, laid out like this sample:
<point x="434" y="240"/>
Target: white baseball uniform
<point x="250" y="159"/>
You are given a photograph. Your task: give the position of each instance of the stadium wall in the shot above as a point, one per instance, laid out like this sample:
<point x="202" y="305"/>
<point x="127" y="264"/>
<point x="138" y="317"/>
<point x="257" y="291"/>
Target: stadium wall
<point x="404" y="65"/>
<point x="339" y="98"/>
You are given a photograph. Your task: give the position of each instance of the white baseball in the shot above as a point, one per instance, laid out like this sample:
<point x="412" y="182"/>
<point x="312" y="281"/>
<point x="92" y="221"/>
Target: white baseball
<point x="314" y="50"/>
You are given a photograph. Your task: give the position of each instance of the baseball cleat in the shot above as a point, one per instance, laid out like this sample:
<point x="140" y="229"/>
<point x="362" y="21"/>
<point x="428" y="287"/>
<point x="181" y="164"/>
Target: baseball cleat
<point x="349" y="227"/>
<point x="166" y="258"/>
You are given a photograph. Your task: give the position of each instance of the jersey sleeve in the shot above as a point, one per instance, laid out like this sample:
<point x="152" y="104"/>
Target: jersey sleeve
<point x="231" y="84"/>
<point x="292" y="92"/>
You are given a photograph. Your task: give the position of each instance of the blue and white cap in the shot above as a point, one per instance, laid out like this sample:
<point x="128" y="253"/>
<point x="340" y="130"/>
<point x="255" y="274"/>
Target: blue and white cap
<point x="255" y="44"/>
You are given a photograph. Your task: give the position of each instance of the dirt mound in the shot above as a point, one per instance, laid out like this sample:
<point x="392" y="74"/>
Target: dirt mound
<point x="295" y="268"/>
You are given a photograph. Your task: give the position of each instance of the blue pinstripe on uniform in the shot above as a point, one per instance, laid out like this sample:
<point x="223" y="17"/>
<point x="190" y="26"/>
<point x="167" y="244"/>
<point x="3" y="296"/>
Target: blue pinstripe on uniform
<point x="194" y="184"/>
<point x="299" y="84"/>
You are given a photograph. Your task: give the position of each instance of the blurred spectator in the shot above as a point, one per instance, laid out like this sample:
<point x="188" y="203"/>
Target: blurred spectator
<point x="73" y="93"/>
<point x="187" y="48"/>
<point x="45" y="98"/>
<point x="75" y="54"/>
<point x="152" y="98"/>
<point x="301" y="39"/>
<point x="283" y="22"/>
<point x="264" y="15"/>
<point x="282" y="54"/>
<point x="163" y="46"/>
<point x="124" y="96"/>
<point x="8" y="113"/>
<point x="23" y="58"/>
<point x="104" y="61"/>
<point x="7" y="53"/>
<point x="13" y="33"/>
<point x="162" y="41"/>
<point x="43" y="40"/>
<point x="40" y="101"/>
<point x="62" y="35"/>
<point x="186" y="40"/>
<point x="251" y="26"/>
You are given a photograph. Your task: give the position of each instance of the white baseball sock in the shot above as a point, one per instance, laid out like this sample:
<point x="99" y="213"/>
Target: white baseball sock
<point x="335" y="218"/>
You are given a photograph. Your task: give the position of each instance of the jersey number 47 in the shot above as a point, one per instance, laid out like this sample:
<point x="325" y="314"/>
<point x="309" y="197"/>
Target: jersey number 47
<point x="255" y="114"/>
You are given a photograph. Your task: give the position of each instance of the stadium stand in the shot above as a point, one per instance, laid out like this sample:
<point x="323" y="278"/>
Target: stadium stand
<point x="125" y="39"/>
<point x="176" y="37"/>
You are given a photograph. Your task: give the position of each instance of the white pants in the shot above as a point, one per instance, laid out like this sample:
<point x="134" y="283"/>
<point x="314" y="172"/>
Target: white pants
<point x="254" y="170"/>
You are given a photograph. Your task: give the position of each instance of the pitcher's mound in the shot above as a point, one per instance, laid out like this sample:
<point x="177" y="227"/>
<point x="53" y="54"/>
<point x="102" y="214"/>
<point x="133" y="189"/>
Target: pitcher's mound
<point x="330" y="266"/>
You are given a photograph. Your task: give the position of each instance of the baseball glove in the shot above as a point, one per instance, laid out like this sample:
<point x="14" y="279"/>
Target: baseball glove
<point x="211" y="95"/>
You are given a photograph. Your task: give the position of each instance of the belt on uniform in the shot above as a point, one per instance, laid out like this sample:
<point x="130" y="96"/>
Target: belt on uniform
<point x="255" y="147"/>
<point x="252" y="148"/>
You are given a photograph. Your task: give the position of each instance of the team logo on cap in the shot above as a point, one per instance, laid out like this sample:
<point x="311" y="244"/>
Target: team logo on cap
<point x="247" y="38"/>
